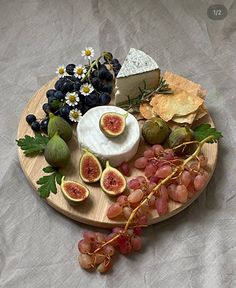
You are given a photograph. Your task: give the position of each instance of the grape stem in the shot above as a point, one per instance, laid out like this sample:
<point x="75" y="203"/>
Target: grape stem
<point x="105" y="244"/>
<point x="181" y="167"/>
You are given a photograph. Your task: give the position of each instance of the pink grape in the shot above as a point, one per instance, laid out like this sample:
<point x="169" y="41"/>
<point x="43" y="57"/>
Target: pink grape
<point x="98" y="258"/>
<point x="117" y="230"/>
<point x="122" y="200"/>
<point x="163" y="171"/>
<point x="124" y="244"/>
<point x="154" y="179"/>
<point x="100" y="237"/>
<point x="149" y="153"/>
<point x="134" y="184"/>
<point x="142" y="180"/>
<point x="152" y="201"/>
<point x="89" y="236"/>
<point x="179" y="194"/>
<point x="169" y="154"/>
<point x="104" y="266"/>
<point x="141" y="163"/>
<point x="85" y="261"/>
<point x="109" y="250"/>
<point x="203" y="160"/>
<point x="163" y="193"/>
<point x="157" y="149"/>
<point x="171" y="189"/>
<point x="138" y="231"/>
<point x="185" y="178"/>
<point x="143" y="220"/>
<point x="124" y="169"/>
<point x="136" y="196"/>
<point x="114" y="210"/>
<point x="84" y="246"/>
<point x="199" y="182"/>
<point x="136" y="243"/>
<point x="127" y="212"/>
<point x="111" y="236"/>
<point x="191" y="190"/>
<point x="150" y="170"/>
<point x="161" y="206"/>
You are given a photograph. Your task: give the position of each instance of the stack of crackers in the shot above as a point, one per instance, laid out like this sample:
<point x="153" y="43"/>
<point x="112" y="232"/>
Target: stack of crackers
<point x="184" y="106"/>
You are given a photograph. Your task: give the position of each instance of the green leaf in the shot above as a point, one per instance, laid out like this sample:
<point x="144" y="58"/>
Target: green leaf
<point x="205" y="130"/>
<point x="33" y="146"/>
<point x="48" y="183"/>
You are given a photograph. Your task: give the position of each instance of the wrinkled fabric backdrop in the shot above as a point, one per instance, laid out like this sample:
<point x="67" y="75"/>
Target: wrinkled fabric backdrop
<point x="196" y="248"/>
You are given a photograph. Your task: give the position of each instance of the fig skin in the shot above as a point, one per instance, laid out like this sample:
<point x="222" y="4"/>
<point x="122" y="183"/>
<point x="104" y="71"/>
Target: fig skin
<point x="105" y="130"/>
<point x="179" y="136"/>
<point x="73" y="201"/>
<point x="57" y="153"/>
<point x="155" y="131"/>
<point x="117" y="174"/>
<point x="58" y="124"/>
<point x="82" y="162"/>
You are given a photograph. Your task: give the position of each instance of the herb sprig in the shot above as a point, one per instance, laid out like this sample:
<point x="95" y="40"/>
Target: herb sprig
<point x="33" y="146"/>
<point x="132" y="105"/>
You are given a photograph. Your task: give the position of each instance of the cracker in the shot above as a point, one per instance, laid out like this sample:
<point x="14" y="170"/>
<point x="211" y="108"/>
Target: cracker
<point x="145" y="110"/>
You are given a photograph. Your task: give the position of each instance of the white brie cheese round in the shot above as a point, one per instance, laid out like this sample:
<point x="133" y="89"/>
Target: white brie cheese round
<point x="116" y="150"/>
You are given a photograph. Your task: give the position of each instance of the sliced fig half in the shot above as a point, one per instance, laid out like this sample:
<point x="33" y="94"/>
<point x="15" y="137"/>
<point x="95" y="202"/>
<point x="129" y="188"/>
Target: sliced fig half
<point x="112" y="124"/>
<point x="90" y="168"/>
<point x="74" y="192"/>
<point x="112" y="181"/>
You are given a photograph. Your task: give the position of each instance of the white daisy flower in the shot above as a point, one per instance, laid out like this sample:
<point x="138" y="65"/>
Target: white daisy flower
<point x="79" y="71"/>
<point x="87" y="53"/>
<point x="61" y="71"/>
<point x="72" y="98"/>
<point x="75" y="115"/>
<point x="86" y="89"/>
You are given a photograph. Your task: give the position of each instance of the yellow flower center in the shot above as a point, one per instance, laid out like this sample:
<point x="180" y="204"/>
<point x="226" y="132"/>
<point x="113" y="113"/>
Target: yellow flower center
<point x="86" y="89"/>
<point x="75" y="114"/>
<point x="87" y="52"/>
<point x="72" y="98"/>
<point x="61" y="70"/>
<point x="79" y="71"/>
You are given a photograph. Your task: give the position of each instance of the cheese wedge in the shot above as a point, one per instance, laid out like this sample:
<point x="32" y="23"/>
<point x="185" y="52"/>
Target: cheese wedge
<point x="138" y="71"/>
<point x="116" y="150"/>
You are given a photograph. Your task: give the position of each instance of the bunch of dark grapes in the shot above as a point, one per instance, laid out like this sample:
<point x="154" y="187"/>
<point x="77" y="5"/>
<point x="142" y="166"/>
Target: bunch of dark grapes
<point x="101" y="78"/>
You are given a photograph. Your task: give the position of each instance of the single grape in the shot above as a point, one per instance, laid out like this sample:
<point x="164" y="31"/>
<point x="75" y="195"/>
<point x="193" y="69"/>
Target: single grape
<point x="44" y="125"/>
<point x="70" y="69"/>
<point x="104" y="267"/>
<point x="203" y="160"/>
<point x="169" y="154"/>
<point x="107" y="88"/>
<point x="125" y="248"/>
<point x="154" y="179"/>
<point x="136" y="196"/>
<point x="89" y="236"/>
<point x="46" y="108"/>
<point x="171" y="190"/>
<point x="142" y="220"/>
<point x="30" y="119"/>
<point x="92" y="99"/>
<point x="199" y="182"/>
<point x="104" y="74"/>
<point x="149" y="153"/>
<point x="138" y="231"/>
<point x="59" y="95"/>
<point x="136" y="243"/>
<point x="122" y="200"/>
<point x="98" y="258"/>
<point x="77" y="85"/>
<point x="84" y="246"/>
<point x="163" y="193"/>
<point x="50" y="93"/>
<point x="114" y="210"/>
<point x="158" y="149"/>
<point x="115" y="61"/>
<point x="162" y="206"/>
<point x="142" y="180"/>
<point x="181" y="194"/>
<point x="150" y="170"/>
<point x="59" y="83"/>
<point x="191" y="190"/>
<point x="163" y="171"/>
<point x="64" y="111"/>
<point x="134" y="184"/>
<point x="152" y="201"/>
<point x="100" y="238"/>
<point x="85" y="261"/>
<point x="127" y="212"/>
<point x="109" y="250"/>
<point x="110" y="237"/>
<point x="185" y="178"/>
<point x="140" y="163"/>
<point x="35" y="126"/>
<point x="124" y="169"/>
<point x="104" y="98"/>
<point x="67" y="86"/>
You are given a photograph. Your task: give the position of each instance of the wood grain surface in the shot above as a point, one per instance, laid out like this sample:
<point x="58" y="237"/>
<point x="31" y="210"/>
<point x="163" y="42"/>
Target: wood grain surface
<point x="93" y="210"/>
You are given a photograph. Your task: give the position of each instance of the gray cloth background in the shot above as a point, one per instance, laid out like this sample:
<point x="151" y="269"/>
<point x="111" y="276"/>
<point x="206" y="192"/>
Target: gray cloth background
<point x="196" y="248"/>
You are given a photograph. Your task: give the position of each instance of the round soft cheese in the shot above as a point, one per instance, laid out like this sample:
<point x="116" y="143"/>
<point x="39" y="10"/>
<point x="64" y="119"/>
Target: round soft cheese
<point x="118" y="149"/>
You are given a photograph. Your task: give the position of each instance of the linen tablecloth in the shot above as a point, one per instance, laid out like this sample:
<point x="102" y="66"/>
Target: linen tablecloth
<point x="196" y="248"/>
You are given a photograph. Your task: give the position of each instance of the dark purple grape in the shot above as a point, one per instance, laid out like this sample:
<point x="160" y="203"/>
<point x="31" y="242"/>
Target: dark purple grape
<point x="92" y="99"/>
<point x="67" y="86"/>
<point x="104" y="74"/>
<point x="104" y="98"/>
<point x="44" y="125"/>
<point x="59" y="95"/>
<point x="64" y="111"/>
<point x="107" y="88"/>
<point x="59" y="83"/>
<point x="77" y="85"/>
<point x="70" y="69"/>
<point x="95" y="73"/>
<point x="35" y="126"/>
<point x="30" y="118"/>
<point x="84" y="109"/>
<point x="46" y="108"/>
<point x="50" y="92"/>
<point x="115" y="62"/>
<point x="96" y="82"/>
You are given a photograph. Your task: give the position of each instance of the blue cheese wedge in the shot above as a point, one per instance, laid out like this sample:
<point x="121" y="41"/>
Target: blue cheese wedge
<point x="116" y="150"/>
<point x="138" y="70"/>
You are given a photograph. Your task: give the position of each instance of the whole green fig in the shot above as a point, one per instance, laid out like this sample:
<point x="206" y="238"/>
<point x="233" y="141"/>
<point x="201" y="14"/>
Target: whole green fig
<point x="155" y="131"/>
<point x="179" y="136"/>
<point x="58" y="124"/>
<point x="57" y="153"/>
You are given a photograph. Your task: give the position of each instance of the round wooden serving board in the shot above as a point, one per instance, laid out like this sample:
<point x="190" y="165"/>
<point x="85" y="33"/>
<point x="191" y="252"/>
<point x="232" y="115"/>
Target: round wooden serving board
<point x="93" y="210"/>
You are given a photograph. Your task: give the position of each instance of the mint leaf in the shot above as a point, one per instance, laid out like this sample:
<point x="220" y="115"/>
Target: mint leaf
<point x="204" y="130"/>
<point x="33" y="146"/>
